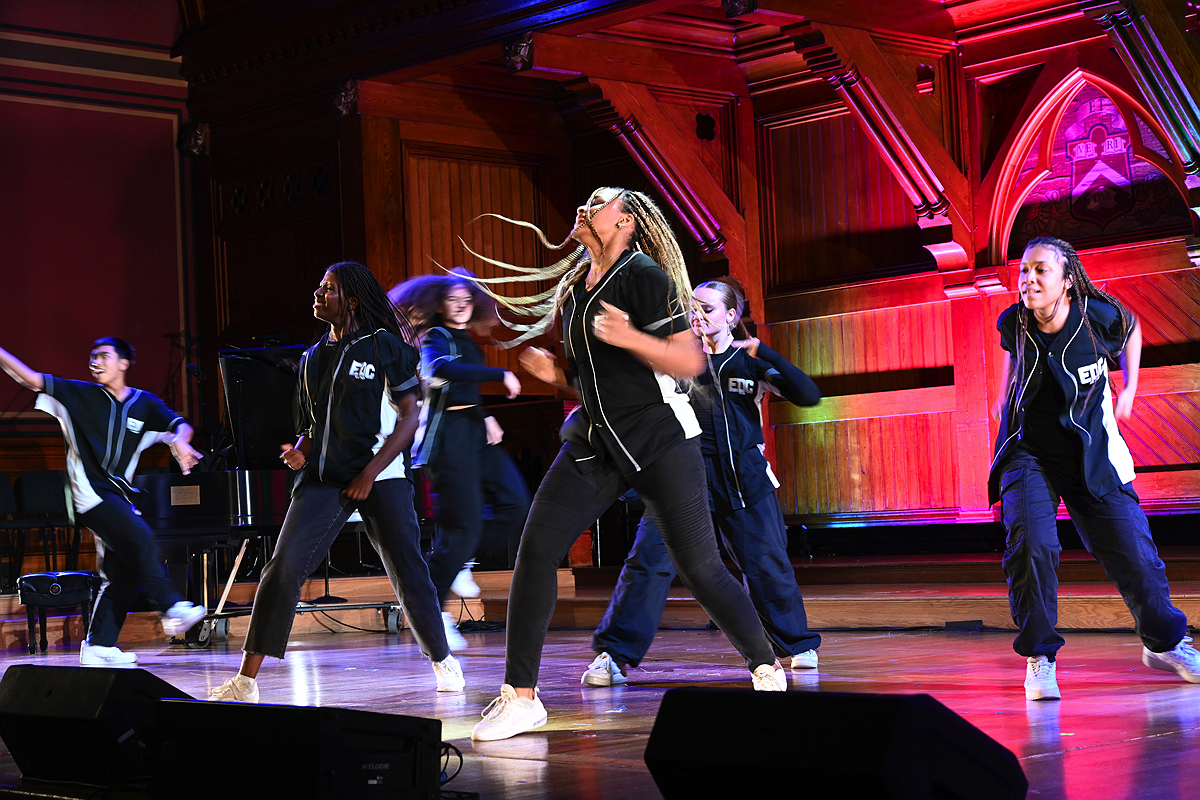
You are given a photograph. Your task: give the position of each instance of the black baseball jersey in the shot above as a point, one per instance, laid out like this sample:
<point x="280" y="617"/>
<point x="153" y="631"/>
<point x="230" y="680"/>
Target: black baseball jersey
<point x="728" y="399"/>
<point x="630" y="413"/>
<point x="105" y="436"/>
<point x="1079" y="367"/>
<point x="348" y="400"/>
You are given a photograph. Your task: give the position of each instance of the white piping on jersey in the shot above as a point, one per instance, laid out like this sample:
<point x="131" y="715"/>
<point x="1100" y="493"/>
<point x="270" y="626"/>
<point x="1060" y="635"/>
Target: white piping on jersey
<point x="329" y="405"/>
<point x="120" y="431"/>
<point x="1000" y="450"/>
<point x="588" y="346"/>
<point x="84" y="495"/>
<point x="1075" y="383"/>
<point x="428" y="430"/>
<point x="737" y="484"/>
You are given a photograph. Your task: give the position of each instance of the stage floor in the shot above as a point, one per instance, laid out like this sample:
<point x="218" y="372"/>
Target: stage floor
<point x="1122" y="730"/>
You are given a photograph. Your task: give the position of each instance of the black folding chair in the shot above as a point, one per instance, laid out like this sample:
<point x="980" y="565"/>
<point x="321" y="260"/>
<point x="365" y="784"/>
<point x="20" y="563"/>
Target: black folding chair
<point x="45" y="501"/>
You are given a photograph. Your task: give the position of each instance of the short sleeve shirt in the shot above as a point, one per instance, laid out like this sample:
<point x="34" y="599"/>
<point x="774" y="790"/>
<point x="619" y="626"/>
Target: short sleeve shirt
<point x="633" y="413"/>
<point x="105" y="437"/>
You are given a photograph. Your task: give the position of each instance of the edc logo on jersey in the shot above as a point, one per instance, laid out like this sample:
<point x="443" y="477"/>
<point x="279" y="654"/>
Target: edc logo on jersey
<point x="741" y="386"/>
<point x="1092" y="372"/>
<point x="362" y="370"/>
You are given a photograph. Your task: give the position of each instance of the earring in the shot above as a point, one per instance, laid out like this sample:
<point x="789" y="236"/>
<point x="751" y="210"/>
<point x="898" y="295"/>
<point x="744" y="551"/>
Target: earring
<point x="619" y="225"/>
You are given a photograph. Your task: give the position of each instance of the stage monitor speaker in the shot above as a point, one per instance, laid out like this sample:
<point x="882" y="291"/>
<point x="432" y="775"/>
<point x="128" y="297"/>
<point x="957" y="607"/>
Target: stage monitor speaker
<point x="297" y="752"/>
<point x="738" y="743"/>
<point x="80" y="724"/>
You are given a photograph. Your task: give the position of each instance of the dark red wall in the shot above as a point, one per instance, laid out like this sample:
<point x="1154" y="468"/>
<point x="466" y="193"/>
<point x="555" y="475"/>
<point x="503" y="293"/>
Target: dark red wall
<point x="92" y="233"/>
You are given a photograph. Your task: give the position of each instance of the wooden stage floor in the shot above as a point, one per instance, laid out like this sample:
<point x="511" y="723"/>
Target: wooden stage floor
<point x="1122" y="730"/>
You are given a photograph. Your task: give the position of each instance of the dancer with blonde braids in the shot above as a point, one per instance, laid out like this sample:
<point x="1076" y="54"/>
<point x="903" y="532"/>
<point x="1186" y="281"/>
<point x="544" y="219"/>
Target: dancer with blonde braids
<point x="1059" y="439"/>
<point x="625" y="309"/>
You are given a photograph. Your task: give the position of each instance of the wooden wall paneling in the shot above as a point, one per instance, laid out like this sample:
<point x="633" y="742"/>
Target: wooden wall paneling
<point x="383" y="199"/>
<point x="447" y="188"/>
<point x="973" y="446"/>
<point x="837" y="213"/>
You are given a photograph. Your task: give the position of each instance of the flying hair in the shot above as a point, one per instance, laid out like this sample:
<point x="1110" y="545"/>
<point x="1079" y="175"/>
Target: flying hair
<point x="420" y="300"/>
<point x="651" y="235"/>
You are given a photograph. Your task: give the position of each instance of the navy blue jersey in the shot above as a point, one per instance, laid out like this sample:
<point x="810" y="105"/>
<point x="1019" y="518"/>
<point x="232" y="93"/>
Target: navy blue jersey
<point x="348" y="401"/>
<point x="105" y="437"/>
<point x="728" y="399"/>
<point x="452" y="367"/>
<point x="628" y="412"/>
<point x="1079" y="367"/>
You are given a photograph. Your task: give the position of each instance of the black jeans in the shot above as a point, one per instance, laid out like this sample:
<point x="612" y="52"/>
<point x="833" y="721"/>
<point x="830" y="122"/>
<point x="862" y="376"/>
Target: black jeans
<point x="756" y="538"/>
<point x="572" y="495"/>
<point x="129" y="561"/>
<point x="1114" y="530"/>
<point x="466" y="473"/>
<point x="315" y="517"/>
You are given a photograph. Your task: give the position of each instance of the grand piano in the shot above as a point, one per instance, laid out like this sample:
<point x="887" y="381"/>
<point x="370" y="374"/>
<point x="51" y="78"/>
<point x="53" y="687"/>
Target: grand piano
<point x="194" y="515"/>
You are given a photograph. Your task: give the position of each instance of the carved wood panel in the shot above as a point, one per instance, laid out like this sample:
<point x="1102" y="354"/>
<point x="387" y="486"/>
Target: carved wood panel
<point x="447" y="189"/>
<point x="863" y="466"/>
<point x="833" y="212"/>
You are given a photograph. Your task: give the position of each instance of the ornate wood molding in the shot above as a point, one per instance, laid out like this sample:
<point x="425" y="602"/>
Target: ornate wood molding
<point x="1159" y="59"/>
<point x="194" y="139"/>
<point x="893" y="124"/>
<point x="701" y="222"/>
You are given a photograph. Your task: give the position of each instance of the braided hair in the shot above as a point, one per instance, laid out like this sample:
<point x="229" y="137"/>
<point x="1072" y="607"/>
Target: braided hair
<point x="374" y="310"/>
<point x="1081" y="287"/>
<point x="651" y="235"/>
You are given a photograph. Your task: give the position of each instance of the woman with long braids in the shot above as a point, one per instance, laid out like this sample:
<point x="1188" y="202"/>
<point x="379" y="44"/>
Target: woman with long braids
<point x="624" y="307"/>
<point x="1058" y="439"/>
<point x="728" y="399"/>
<point x="456" y="442"/>
<point x="357" y="413"/>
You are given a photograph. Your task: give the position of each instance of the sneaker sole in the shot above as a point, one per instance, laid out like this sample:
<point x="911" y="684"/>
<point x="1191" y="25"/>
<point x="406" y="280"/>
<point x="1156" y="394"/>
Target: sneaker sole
<point x="1041" y="696"/>
<point x="1152" y="660"/>
<point x="533" y="727"/>
<point x="601" y="682"/>
<point x="174" y="627"/>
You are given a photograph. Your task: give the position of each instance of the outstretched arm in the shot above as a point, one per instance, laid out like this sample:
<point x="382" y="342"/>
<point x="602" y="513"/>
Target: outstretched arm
<point x="1131" y="362"/>
<point x="21" y="373"/>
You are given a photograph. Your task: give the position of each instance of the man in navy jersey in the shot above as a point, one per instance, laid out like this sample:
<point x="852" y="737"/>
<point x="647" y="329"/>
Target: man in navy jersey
<point x="107" y="424"/>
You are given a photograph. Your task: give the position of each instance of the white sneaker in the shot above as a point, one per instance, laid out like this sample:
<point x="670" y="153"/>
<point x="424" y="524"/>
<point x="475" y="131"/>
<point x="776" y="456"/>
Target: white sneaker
<point x="1182" y="659"/>
<point x="770" y="678"/>
<point x="454" y="639"/>
<point x="805" y="660"/>
<point x="464" y="585"/>
<point x="179" y="618"/>
<point x="238" y="689"/>
<point x="1040" y="683"/>
<point x="508" y="715"/>
<point x="95" y="655"/>
<point x="603" y="671"/>
<point x="449" y="675"/>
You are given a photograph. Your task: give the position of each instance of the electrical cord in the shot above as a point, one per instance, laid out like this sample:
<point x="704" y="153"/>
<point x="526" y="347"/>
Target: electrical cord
<point x="348" y="625"/>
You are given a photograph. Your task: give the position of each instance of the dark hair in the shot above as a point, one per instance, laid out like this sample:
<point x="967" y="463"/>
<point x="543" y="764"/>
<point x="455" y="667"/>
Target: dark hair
<point x="420" y="299"/>
<point x="374" y="310"/>
<point x="122" y="348"/>
<point x="733" y="295"/>
<point x="1081" y="286"/>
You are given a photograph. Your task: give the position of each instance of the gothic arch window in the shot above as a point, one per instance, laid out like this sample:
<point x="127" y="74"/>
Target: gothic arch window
<point x="1097" y="174"/>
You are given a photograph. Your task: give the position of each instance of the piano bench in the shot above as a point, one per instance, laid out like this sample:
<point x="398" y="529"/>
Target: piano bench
<point x="42" y="590"/>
